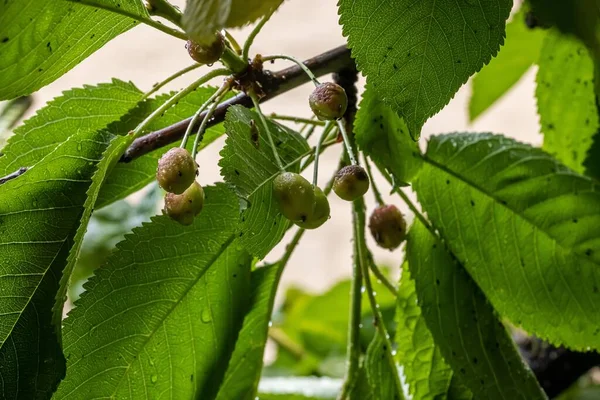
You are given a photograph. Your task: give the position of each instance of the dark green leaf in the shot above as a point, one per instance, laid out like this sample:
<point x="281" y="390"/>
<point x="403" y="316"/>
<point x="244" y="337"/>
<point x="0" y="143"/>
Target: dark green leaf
<point x="566" y="99"/>
<point x="247" y="164"/>
<point x="525" y="227"/>
<point x="521" y="49"/>
<point x="361" y="389"/>
<point x="86" y="109"/>
<point x="418" y="54"/>
<point x="427" y="374"/>
<point x="463" y="324"/>
<point x="39" y="214"/>
<point x="243" y="373"/>
<point x="127" y="178"/>
<point x="163" y="314"/>
<point x="246" y="11"/>
<point x="592" y="159"/>
<point x="45" y="39"/>
<point x="132" y="7"/>
<point x="383" y="135"/>
<point x="382" y="373"/>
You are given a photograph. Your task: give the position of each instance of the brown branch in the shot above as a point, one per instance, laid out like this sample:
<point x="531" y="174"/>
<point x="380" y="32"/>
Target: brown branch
<point x="273" y="84"/>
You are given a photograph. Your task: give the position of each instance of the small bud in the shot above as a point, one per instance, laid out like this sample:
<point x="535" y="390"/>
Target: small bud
<point x="206" y="54"/>
<point x="328" y="101"/>
<point x="351" y="182"/>
<point x="184" y="207"/>
<point x="176" y="170"/>
<point x="320" y="212"/>
<point x="388" y="227"/>
<point x="295" y="196"/>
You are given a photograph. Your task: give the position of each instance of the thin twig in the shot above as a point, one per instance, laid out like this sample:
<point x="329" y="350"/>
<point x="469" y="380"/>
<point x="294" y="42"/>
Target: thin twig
<point x="381" y="277"/>
<point x="255" y="31"/>
<point x="273" y="84"/>
<point x="13" y="175"/>
<point x="170" y="79"/>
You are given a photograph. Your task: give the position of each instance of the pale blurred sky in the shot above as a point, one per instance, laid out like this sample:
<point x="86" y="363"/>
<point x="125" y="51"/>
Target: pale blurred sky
<point x="301" y="28"/>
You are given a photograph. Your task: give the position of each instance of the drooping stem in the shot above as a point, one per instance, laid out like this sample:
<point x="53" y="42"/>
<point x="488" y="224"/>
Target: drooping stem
<point x="318" y="152"/>
<point x="363" y="260"/>
<point x="196" y="116"/>
<point x="342" y="127"/>
<point x="306" y="70"/>
<point x="164" y="9"/>
<point x="174" y="99"/>
<point x="297" y="120"/>
<point x="200" y="135"/>
<point x="415" y="210"/>
<point x="148" y="21"/>
<point x="263" y="121"/>
<point x="376" y="191"/>
<point x="353" y="344"/>
<point x="381" y="277"/>
<point x="170" y="79"/>
<point x="254" y="33"/>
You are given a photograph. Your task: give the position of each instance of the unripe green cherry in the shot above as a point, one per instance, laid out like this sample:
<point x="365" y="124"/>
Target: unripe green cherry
<point x="351" y="182"/>
<point x="387" y="226"/>
<point x="320" y="213"/>
<point x="184" y="207"/>
<point x="294" y="195"/>
<point x="328" y="101"/>
<point x="206" y="54"/>
<point x="176" y="170"/>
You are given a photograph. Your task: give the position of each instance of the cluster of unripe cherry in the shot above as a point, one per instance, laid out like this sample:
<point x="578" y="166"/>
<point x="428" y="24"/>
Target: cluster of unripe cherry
<point x="299" y="201"/>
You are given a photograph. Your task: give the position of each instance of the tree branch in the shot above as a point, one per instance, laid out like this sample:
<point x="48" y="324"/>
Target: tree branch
<point x="555" y="368"/>
<point x="273" y="84"/>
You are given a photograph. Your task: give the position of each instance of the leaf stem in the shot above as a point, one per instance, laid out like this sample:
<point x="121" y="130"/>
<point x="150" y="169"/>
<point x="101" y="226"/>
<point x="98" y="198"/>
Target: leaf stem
<point x="234" y="43"/>
<point x="148" y="21"/>
<point x="171" y="78"/>
<point x="318" y="151"/>
<point x="363" y="260"/>
<point x="341" y="125"/>
<point x="297" y="120"/>
<point x="231" y="60"/>
<point x="306" y="70"/>
<point x="381" y="277"/>
<point x="174" y="99"/>
<point x="164" y="9"/>
<point x="415" y="211"/>
<point x="254" y="33"/>
<point x="215" y="99"/>
<point x="376" y="191"/>
<point x="353" y="344"/>
<point x="267" y="130"/>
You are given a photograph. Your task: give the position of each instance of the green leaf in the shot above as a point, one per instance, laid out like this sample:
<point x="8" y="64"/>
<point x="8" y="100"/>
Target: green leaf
<point x="86" y="109"/>
<point x="163" y="314"/>
<point x="39" y="213"/>
<point x="10" y="114"/>
<point x="382" y="135"/>
<point x="418" y="54"/>
<point x="361" y="389"/>
<point x="132" y="7"/>
<point x="127" y="178"/>
<point x="592" y="159"/>
<point x="524" y="226"/>
<point x="566" y="99"/>
<point x="427" y="374"/>
<point x="520" y="51"/>
<point x="44" y="40"/>
<point x="463" y="324"/>
<point x="381" y="371"/>
<point x="247" y="165"/>
<point x="244" y="370"/>
<point x="203" y="18"/>
<point x="246" y="11"/>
